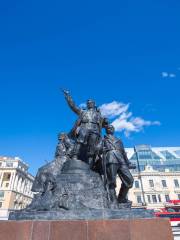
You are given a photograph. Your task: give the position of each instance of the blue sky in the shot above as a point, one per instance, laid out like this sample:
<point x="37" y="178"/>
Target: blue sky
<point x="123" y="51"/>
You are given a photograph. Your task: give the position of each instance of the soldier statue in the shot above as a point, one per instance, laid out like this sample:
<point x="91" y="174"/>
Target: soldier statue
<point x="64" y="147"/>
<point x="88" y="128"/>
<point x="46" y="175"/>
<point x="116" y="162"/>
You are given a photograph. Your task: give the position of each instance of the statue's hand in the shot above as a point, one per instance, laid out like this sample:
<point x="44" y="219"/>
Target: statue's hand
<point x="132" y="166"/>
<point x="66" y="92"/>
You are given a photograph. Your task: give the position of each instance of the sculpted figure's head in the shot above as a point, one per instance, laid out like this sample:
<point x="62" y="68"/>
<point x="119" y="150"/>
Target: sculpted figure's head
<point x="110" y="129"/>
<point x="61" y="136"/>
<point x="91" y="104"/>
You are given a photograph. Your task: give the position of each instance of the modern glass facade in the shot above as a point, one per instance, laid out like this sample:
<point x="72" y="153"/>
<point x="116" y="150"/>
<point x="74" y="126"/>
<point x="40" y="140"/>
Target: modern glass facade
<point x="159" y="158"/>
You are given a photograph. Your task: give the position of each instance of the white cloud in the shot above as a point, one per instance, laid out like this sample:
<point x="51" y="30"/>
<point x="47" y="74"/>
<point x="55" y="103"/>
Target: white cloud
<point x="113" y="109"/>
<point x="164" y="74"/>
<point x="168" y="75"/>
<point x="123" y="119"/>
<point x="172" y="75"/>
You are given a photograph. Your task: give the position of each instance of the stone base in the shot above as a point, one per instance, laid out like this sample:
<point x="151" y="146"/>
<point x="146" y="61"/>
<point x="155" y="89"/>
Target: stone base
<point x="135" y="229"/>
<point x="82" y="214"/>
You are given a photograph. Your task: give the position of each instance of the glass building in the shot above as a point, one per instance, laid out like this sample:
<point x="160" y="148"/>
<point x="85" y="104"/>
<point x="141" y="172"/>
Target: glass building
<point x="160" y="158"/>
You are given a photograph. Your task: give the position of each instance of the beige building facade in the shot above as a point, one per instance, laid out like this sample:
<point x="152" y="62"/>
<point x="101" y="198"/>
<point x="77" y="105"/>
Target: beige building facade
<point x="153" y="188"/>
<point x="15" y="185"/>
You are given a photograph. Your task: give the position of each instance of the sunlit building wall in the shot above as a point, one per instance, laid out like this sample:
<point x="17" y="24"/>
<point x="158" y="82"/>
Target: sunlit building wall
<point x="158" y="178"/>
<point x="15" y="185"/>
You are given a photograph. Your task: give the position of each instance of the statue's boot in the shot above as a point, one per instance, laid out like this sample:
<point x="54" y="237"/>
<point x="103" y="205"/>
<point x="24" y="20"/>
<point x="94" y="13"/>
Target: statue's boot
<point x="113" y="197"/>
<point x="122" y="197"/>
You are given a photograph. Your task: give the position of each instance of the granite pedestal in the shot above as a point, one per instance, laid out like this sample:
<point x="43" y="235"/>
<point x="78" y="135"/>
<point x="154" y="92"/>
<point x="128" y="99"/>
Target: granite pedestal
<point x="77" y="209"/>
<point x="134" y="229"/>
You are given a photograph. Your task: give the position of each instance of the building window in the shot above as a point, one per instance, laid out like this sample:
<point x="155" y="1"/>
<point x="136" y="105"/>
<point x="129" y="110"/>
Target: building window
<point x="178" y="196"/>
<point x="6" y="176"/>
<point x="0" y="204"/>
<point x="139" y="199"/>
<point x="167" y="197"/>
<point x="7" y="185"/>
<point x="149" y="198"/>
<point x="178" y="152"/>
<point x="9" y="164"/>
<point x="176" y="183"/>
<point x="151" y="183"/>
<point x="167" y="155"/>
<point x="1" y="194"/>
<point x="164" y="184"/>
<point x="159" y="197"/>
<point x="154" y="198"/>
<point x="136" y="183"/>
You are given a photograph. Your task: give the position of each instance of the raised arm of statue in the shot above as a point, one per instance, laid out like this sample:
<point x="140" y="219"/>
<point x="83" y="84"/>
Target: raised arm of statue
<point x="71" y="103"/>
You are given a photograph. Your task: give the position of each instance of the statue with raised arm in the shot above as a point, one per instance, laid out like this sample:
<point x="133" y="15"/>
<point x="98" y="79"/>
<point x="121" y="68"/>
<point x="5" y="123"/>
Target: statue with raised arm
<point x="88" y="127"/>
<point x="80" y="182"/>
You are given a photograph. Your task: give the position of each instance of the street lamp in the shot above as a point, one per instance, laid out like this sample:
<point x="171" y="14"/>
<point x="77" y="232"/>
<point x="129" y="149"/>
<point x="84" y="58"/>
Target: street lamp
<point x="139" y="175"/>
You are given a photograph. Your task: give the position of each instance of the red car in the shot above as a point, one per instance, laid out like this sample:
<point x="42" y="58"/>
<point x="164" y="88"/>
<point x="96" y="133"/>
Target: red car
<point x="171" y="210"/>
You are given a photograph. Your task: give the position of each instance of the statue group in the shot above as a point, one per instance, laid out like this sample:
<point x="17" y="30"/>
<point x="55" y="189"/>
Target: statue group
<point x="84" y="171"/>
<point x="80" y="184"/>
<point x="105" y="155"/>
